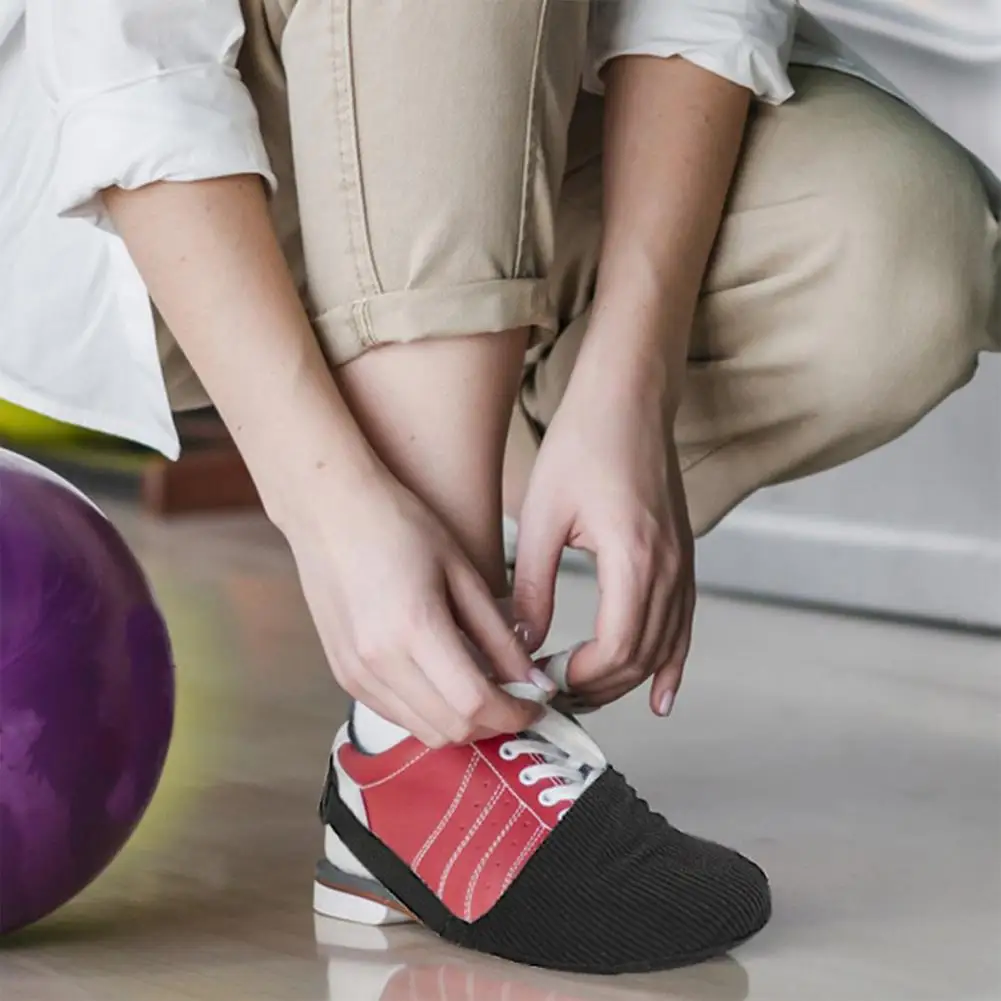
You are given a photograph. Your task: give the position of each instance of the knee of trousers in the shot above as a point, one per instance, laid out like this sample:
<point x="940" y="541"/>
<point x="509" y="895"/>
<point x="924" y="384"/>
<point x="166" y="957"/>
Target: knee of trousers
<point x="910" y="285"/>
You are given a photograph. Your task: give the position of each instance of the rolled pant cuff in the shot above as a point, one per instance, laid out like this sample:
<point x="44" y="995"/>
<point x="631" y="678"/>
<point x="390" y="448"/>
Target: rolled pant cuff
<point x="419" y="314"/>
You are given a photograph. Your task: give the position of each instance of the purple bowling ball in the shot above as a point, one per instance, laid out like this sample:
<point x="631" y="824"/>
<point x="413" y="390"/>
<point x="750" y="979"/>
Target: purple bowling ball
<point x="86" y="692"/>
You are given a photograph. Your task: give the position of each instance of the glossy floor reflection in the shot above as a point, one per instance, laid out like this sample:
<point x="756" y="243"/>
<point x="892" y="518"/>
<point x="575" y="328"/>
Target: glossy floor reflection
<point x="858" y="761"/>
<point x="404" y="964"/>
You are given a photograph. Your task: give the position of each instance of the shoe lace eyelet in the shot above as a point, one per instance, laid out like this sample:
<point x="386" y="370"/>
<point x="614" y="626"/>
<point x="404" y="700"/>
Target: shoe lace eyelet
<point x="526" y="777"/>
<point x="506" y="753"/>
<point x="545" y="798"/>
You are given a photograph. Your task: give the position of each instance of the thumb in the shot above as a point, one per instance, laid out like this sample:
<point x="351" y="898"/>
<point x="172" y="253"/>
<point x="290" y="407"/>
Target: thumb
<point x="541" y="537"/>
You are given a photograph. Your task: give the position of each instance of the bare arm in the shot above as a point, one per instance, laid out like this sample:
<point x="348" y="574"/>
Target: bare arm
<point x="673" y="134"/>
<point x="212" y="263"/>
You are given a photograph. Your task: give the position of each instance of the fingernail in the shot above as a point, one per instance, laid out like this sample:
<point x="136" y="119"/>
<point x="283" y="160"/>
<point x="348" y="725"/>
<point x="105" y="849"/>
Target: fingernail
<point x="666" y="704"/>
<point x="522" y="633"/>
<point x="542" y="681"/>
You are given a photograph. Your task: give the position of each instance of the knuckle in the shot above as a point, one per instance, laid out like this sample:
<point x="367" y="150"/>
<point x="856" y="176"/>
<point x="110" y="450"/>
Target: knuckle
<point x="644" y="533"/>
<point x="349" y="678"/>
<point x="618" y="654"/>
<point x="373" y="647"/>
<point x="636" y="672"/>
<point x="435" y="741"/>
<point x="470" y="705"/>
<point x="529" y="590"/>
<point x="671" y="559"/>
<point x="417" y="618"/>
<point x="635" y="550"/>
<point x="385" y="643"/>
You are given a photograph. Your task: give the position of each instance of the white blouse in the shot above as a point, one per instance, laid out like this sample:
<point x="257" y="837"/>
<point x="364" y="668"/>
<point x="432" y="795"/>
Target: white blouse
<point x="96" y="93"/>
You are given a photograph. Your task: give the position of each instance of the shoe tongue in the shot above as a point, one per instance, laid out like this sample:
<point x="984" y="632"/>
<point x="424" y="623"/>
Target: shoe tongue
<point x="372" y="733"/>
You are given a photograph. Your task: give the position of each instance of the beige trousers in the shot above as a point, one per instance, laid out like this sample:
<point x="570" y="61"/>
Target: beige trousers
<point x="441" y="176"/>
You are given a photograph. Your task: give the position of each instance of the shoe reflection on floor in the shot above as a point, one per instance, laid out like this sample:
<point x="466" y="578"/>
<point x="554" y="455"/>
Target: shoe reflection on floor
<point x="406" y="963"/>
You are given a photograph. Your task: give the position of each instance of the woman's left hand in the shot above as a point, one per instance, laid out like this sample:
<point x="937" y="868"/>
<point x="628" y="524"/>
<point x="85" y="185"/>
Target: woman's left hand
<point x="607" y="480"/>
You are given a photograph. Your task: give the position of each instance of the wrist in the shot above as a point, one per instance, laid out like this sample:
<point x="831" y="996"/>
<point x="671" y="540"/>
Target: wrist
<point x="641" y="365"/>
<point x="307" y="466"/>
<point x="309" y="500"/>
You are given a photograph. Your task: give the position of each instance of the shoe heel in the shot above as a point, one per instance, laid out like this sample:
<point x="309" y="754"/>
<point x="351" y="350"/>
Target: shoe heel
<point x="337" y="894"/>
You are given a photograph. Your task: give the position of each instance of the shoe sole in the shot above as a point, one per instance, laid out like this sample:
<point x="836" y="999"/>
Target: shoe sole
<point x="339" y="894"/>
<point x="345" y="897"/>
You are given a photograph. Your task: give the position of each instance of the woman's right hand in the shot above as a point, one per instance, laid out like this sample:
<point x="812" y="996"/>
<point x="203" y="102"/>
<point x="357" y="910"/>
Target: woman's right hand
<point x="400" y="612"/>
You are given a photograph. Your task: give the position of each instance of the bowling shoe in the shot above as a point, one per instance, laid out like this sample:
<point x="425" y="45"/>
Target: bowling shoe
<point x="531" y="848"/>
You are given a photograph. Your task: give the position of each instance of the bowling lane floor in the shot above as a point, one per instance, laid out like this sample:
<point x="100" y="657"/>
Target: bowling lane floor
<point x="858" y="761"/>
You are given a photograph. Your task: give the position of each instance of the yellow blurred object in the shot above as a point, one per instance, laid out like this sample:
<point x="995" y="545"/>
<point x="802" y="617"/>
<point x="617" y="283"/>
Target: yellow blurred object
<point x="25" y="427"/>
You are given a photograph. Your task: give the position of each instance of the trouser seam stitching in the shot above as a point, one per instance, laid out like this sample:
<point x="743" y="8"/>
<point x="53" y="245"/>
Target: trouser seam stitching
<point x="350" y="161"/>
<point x="339" y="7"/>
<point x="528" y="173"/>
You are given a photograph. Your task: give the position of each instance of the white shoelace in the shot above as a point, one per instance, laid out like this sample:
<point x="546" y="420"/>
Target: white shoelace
<point x="568" y="754"/>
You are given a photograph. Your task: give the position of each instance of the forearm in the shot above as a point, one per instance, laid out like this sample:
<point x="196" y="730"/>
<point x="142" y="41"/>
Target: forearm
<point x="673" y="135"/>
<point x="212" y="263"/>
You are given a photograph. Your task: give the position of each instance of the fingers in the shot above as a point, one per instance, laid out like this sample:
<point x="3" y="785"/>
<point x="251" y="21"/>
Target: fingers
<point x="441" y="697"/>
<point x="480" y="707"/>
<point x="656" y="623"/>
<point x="477" y="613"/>
<point x="667" y="679"/>
<point x="429" y="678"/>
<point x="661" y="615"/>
<point x="382" y="699"/>
<point x="541" y="539"/>
<point x="622" y="611"/>
<point x="661" y="649"/>
<point x="667" y="665"/>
